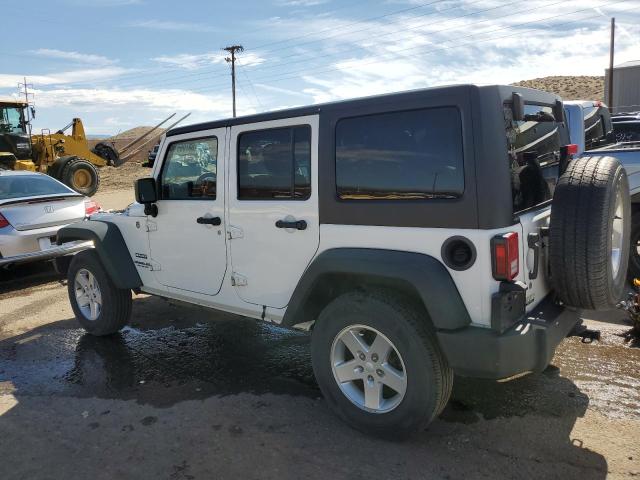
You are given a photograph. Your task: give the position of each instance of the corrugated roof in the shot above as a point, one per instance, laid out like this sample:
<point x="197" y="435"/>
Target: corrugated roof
<point x="632" y="63"/>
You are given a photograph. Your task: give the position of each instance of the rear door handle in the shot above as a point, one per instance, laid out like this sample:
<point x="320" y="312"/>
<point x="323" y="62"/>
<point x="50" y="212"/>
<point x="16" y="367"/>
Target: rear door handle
<point x="298" y="224"/>
<point x="209" y="220"/>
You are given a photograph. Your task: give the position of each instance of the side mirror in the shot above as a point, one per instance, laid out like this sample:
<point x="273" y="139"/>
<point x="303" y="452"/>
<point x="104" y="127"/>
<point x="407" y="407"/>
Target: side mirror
<point x="517" y="107"/>
<point x="145" y="189"/>
<point x="558" y="111"/>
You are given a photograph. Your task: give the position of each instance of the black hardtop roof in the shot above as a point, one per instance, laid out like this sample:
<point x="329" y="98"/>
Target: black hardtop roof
<point x="502" y="91"/>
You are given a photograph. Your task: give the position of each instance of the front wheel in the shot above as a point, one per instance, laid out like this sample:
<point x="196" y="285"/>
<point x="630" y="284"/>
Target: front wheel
<point x="81" y="176"/>
<point x="378" y="363"/>
<point x="100" y="307"/>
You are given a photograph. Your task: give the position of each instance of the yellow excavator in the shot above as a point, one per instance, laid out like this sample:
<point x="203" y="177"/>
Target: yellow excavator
<point x="67" y="158"/>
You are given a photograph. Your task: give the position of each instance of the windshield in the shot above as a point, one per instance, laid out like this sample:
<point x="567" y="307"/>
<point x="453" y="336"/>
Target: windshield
<point x="11" y="120"/>
<point x="534" y="153"/>
<point x="21" y="186"/>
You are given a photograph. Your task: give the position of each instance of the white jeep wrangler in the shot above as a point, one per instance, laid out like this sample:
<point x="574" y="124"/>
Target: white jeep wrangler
<point x="412" y="233"/>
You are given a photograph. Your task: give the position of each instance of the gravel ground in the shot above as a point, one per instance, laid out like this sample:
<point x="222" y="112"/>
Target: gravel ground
<point x="188" y="394"/>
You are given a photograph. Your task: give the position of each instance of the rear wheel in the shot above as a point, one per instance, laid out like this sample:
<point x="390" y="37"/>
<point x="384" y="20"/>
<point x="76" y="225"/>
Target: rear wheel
<point x="81" y="176"/>
<point x="100" y="307"/>
<point x="590" y="233"/>
<point x="378" y="364"/>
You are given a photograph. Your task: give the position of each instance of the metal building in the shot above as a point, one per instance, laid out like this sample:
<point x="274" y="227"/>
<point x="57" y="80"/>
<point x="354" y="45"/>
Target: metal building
<point x="626" y="87"/>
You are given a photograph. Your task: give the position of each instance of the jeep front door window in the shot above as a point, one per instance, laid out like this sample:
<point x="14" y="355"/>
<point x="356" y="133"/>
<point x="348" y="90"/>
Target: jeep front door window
<point x="190" y="171"/>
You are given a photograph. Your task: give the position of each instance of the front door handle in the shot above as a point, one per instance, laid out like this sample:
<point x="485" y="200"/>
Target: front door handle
<point x="209" y="220"/>
<point x="297" y="224"/>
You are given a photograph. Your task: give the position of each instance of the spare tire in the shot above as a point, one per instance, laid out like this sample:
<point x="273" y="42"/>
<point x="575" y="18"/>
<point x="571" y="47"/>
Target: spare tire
<point x="590" y="233"/>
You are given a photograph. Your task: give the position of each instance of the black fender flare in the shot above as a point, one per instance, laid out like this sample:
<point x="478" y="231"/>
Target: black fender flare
<point x="55" y="169"/>
<point x="110" y="247"/>
<point x="425" y="274"/>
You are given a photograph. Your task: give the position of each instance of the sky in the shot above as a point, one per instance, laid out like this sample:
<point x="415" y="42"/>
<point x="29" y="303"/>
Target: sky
<point x="118" y="64"/>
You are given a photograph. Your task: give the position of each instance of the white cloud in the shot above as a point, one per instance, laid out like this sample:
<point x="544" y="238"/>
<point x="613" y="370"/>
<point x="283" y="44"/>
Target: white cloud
<point x="285" y="91"/>
<point x="111" y="110"/>
<point x="105" y="3"/>
<point x="300" y="3"/>
<point x="172" y="26"/>
<point x="73" y="56"/>
<point x="61" y="78"/>
<point x="194" y="61"/>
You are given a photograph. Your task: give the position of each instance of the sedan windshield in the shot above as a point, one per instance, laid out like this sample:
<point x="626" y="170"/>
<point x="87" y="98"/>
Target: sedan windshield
<point x="22" y="186"/>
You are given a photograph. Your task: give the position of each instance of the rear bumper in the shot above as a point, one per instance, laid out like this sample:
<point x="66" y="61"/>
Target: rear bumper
<point x="528" y="346"/>
<point x="48" y="254"/>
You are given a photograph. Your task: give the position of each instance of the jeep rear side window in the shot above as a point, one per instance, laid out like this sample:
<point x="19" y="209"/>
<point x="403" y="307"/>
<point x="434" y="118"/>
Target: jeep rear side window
<point x="275" y="164"/>
<point x="400" y="155"/>
<point x="534" y="152"/>
<point x="190" y="170"/>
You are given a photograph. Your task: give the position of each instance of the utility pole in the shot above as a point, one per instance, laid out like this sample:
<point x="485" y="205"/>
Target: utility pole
<point x="232" y="50"/>
<point x="26" y="87"/>
<point x="611" y="51"/>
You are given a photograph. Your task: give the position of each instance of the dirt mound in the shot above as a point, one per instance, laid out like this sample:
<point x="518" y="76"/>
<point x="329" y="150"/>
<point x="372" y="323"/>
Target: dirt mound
<point x="122" y="178"/>
<point x="569" y="88"/>
<point x="136" y="132"/>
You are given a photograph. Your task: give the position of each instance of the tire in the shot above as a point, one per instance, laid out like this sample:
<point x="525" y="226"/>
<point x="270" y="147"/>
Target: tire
<point x="81" y="176"/>
<point x="429" y="378"/>
<point x="588" y="247"/>
<point x="115" y="303"/>
<point x="634" y="244"/>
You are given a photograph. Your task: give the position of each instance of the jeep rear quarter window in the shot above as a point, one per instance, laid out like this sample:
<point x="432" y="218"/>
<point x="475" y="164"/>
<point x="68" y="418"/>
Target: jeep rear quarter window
<point x="534" y="154"/>
<point x="400" y="155"/>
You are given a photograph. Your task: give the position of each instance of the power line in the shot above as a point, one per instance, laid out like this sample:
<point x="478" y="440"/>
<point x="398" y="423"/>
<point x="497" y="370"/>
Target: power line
<point x="393" y="55"/>
<point x="178" y="80"/>
<point x="291" y="39"/>
<point x="243" y="70"/>
<point x="294" y="74"/>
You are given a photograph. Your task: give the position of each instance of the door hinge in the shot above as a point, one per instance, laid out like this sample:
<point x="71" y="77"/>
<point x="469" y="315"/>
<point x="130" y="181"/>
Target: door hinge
<point x="151" y="226"/>
<point x="238" y="280"/>
<point x="234" y="232"/>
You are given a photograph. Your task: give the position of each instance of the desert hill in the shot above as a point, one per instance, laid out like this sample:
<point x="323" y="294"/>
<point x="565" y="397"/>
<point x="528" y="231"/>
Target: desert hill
<point x="569" y="88"/>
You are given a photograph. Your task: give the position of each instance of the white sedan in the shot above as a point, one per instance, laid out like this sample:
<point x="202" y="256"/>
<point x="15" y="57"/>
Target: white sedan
<point x="33" y="207"/>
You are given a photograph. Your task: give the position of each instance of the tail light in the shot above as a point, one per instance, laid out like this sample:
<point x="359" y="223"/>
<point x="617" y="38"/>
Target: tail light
<point x="505" y="256"/>
<point x="3" y="221"/>
<point x="91" y="207"/>
<point x="572" y="149"/>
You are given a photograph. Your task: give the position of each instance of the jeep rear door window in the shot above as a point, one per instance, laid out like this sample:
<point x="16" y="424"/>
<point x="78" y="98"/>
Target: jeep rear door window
<point x="413" y="154"/>
<point x="534" y="152"/>
<point x="275" y="164"/>
<point x="190" y="170"/>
